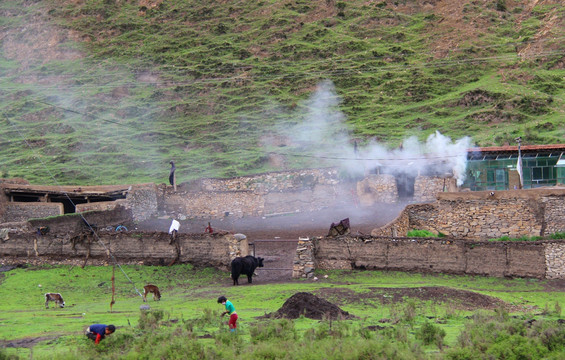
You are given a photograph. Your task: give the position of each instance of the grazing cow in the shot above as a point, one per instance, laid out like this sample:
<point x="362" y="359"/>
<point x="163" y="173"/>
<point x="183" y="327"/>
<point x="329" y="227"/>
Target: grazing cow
<point x="246" y="266"/>
<point x="56" y="297"/>
<point x="147" y="289"/>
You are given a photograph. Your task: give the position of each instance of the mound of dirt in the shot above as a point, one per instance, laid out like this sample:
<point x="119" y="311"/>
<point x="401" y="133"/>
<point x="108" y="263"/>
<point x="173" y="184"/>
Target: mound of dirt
<point x="310" y="306"/>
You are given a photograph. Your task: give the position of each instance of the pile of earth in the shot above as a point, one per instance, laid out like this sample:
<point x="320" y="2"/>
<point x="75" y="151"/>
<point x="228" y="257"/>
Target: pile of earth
<point x="310" y="306"/>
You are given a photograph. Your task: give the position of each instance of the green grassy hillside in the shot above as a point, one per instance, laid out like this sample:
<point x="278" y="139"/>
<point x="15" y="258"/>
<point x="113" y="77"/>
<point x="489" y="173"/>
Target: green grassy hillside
<point x="108" y="91"/>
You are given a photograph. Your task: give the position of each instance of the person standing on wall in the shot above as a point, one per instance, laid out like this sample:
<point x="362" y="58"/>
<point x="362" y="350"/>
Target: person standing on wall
<point x="172" y="177"/>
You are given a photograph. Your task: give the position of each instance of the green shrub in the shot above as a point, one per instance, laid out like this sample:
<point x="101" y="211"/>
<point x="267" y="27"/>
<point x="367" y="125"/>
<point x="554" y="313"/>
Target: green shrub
<point x="431" y="334"/>
<point x="557" y="236"/>
<point x="150" y="319"/>
<point x="420" y="233"/>
<point x="282" y="329"/>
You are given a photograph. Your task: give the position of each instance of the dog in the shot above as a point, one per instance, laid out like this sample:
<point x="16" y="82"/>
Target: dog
<point x="147" y="289"/>
<point x="56" y="297"/>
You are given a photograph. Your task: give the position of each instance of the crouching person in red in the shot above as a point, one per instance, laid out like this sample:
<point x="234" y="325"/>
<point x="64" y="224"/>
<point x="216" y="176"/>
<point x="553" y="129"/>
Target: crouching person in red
<point x="98" y="332"/>
<point x="230" y="309"/>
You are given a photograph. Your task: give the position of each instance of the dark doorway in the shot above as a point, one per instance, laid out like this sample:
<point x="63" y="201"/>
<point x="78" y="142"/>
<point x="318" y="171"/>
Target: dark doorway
<point x="405" y="186"/>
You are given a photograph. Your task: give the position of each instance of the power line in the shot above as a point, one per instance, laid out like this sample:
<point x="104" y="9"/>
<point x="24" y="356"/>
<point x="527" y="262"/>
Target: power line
<point x="71" y="201"/>
<point x="357" y="69"/>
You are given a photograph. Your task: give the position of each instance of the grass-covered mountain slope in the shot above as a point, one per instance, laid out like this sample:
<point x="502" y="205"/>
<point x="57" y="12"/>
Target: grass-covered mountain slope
<point x="108" y="91"/>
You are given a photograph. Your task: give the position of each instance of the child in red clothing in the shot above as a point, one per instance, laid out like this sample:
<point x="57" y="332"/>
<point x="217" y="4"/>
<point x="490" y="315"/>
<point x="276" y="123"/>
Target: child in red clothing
<point x="98" y="332"/>
<point x="230" y="309"/>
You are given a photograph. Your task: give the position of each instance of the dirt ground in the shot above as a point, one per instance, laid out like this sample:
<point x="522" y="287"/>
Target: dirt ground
<point x="311" y="306"/>
<point x="287" y="225"/>
<point x="325" y="303"/>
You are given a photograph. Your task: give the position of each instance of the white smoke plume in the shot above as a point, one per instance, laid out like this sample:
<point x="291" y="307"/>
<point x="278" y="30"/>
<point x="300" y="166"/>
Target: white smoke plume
<point x="324" y="133"/>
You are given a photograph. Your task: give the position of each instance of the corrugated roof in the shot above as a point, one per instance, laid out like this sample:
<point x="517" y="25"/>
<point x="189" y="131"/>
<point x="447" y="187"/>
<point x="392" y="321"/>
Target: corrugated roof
<point x="552" y="147"/>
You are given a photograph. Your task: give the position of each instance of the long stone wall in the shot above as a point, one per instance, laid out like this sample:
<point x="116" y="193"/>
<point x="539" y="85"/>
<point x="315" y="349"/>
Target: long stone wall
<point x="150" y="248"/>
<point x="499" y="259"/>
<point x="258" y="195"/>
<point x="21" y="211"/>
<point x="484" y="215"/>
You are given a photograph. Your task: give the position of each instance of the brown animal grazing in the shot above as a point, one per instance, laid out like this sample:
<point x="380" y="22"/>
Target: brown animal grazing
<point x="56" y="297"/>
<point x="151" y="289"/>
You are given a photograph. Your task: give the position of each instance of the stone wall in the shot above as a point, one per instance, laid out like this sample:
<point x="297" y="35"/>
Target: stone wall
<point x="426" y="188"/>
<point x="150" y="248"/>
<point x="271" y="182"/>
<point x="100" y="205"/>
<point x="554" y="207"/>
<point x="258" y="195"/>
<point x="499" y="259"/>
<point x="21" y="211"/>
<point x="485" y="215"/>
<point x="303" y="265"/>
<point x="398" y="227"/>
<point x="142" y="200"/>
<point x="555" y="260"/>
<point x="377" y="189"/>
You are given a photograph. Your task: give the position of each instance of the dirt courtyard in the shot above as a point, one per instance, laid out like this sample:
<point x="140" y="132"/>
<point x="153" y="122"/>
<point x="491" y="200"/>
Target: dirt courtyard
<point x="287" y="225"/>
<point x="275" y="237"/>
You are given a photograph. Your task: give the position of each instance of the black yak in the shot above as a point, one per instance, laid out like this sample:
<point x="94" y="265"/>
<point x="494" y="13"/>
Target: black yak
<point x="246" y="266"/>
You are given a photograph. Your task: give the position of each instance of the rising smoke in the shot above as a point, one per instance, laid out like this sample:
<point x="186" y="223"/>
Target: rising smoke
<point x="323" y="132"/>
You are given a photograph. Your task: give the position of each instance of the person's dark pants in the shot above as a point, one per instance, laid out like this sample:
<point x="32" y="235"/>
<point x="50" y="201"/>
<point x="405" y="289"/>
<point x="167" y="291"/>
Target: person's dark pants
<point x="90" y="335"/>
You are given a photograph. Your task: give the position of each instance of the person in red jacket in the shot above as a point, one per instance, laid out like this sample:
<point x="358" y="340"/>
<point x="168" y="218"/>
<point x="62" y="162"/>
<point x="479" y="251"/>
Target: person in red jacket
<point x="98" y="332"/>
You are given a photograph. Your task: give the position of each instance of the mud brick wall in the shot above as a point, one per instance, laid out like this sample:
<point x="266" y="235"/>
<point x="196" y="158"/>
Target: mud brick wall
<point x="73" y="223"/>
<point x="310" y="199"/>
<point x="3" y="202"/>
<point x="131" y="247"/>
<point x="21" y="211"/>
<point x="499" y="259"/>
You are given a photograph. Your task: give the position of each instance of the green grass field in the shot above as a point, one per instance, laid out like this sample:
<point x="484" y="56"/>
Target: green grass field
<point x="108" y="92"/>
<point x="188" y="309"/>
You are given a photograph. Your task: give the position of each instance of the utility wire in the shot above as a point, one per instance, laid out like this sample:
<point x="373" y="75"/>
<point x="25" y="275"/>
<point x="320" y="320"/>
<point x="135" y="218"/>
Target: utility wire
<point x="357" y="69"/>
<point x="272" y="152"/>
<point x="71" y="201"/>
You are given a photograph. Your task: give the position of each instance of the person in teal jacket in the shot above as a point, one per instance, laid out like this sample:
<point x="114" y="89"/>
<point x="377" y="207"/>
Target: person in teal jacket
<point x="230" y="309"/>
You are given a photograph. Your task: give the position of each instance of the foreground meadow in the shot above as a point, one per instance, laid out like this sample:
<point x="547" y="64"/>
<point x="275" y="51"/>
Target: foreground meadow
<point x="395" y="315"/>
